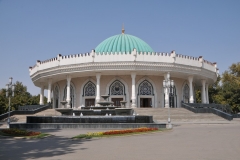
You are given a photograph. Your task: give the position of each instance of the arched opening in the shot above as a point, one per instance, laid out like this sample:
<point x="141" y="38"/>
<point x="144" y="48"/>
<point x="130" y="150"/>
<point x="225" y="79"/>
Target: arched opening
<point x="117" y="92"/>
<point x="186" y="93"/>
<point x="56" y="97"/>
<point x="146" y="94"/>
<point x="71" y="95"/>
<point x="89" y="93"/>
<point x="194" y="94"/>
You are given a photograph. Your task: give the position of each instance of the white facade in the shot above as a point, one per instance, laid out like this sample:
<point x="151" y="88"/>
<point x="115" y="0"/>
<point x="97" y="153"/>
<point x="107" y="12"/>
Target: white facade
<point x="133" y="73"/>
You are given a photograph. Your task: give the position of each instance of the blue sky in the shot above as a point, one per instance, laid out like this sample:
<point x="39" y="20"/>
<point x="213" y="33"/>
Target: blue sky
<point x="39" y="30"/>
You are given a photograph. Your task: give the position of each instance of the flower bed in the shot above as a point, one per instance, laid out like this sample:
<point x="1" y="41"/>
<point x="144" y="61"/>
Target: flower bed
<point x="129" y="131"/>
<point x="116" y="132"/>
<point x="18" y="132"/>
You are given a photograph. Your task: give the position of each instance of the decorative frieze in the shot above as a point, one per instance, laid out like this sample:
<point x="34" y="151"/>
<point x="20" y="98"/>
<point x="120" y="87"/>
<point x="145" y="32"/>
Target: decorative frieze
<point x="133" y="66"/>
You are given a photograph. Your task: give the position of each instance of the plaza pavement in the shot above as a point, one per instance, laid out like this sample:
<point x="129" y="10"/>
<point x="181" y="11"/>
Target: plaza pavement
<point x="213" y="141"/>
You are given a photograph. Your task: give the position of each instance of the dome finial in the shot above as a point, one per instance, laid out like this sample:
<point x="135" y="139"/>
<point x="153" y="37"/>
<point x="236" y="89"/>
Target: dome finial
<point x="123" y="30"/>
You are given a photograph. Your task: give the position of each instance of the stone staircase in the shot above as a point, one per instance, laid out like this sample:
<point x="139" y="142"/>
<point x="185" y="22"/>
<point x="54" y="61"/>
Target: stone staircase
<point x="179" y="115"/>
<point x="48" y="112"/>
<point x="22" y="118"/>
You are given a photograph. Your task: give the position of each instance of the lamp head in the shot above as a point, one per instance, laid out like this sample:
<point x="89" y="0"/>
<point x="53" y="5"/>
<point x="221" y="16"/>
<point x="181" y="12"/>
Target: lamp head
<point x="13" y="87"/>
<point x="168" y="83"/>
<point x="164" y="83"/>
<point x="172" y="83"/>
<point x="168" y="75"/>
<point x="10" y="80"/>
<point x="6" y="90"/>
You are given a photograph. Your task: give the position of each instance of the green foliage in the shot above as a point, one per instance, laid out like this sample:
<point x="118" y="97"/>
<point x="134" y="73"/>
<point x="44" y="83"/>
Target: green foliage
<point x="214" y="90"/>
<point x="231" y="87"/>
<point x="21" y="98"/>
<point x="3" y="101"/>
<point x="198" y="96"/>
<point x="226" y="90"/>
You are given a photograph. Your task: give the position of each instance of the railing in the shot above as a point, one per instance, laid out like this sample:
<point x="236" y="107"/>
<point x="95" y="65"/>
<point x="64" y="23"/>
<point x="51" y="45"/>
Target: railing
<point x="221" y="107"/>
<point x="29" y="107"/>
<point x="22" y="112"/>
<point x="223" y="111"/>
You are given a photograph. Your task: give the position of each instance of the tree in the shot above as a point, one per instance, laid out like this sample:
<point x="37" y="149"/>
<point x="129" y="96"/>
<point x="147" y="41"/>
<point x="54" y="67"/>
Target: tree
<point x="231" y="87"/>
<point x="214" y="91"/>
<point x="34" y="100"/>
<point x="198" y="95"/>
<point x="21" y="98"/>
<point x="226" y="90"/>
<point x="3" y="101"/>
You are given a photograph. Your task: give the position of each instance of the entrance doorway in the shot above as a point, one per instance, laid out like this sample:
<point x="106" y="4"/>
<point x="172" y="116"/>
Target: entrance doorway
<point x="89" y="102"/>
<point x="116" y="101"/>
<point x="145" y="102"/>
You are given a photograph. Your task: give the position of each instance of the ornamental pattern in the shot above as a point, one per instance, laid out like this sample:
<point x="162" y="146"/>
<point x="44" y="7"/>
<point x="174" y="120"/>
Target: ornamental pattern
<point x="145" y="88"/>
<point x="117" y="88"/>
<point x="89" y="89"/>
<point x="186" y="94"/>
<point x="56" y="93"/>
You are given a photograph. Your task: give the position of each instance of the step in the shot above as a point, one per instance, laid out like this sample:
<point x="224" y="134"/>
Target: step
<point x="159" y="115"/>
<point x="22" y="118"/>
<point x="177" y="114"/>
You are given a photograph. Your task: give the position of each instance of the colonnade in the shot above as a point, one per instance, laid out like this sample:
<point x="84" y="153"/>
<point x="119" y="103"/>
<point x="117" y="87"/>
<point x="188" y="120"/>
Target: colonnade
<point x="204" y="90"/>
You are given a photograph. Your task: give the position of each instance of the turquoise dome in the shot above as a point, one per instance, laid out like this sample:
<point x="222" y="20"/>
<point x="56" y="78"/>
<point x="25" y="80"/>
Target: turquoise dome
<point x="123" y="43"/>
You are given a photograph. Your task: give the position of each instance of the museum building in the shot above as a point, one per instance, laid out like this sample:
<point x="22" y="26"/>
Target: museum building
<point x="127" y="69"/>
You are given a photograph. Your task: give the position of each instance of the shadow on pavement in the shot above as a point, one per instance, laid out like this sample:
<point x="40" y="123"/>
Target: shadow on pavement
<point x="12" y="119"/>
<point x="22" y="149"/>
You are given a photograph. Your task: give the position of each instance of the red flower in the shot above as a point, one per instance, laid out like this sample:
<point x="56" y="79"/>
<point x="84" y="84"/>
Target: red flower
<point x="129" y="131"/>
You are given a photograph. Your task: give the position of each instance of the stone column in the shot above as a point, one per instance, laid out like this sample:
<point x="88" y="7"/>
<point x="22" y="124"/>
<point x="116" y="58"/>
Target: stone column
<point x="49" y="90"/>
<point x="98" y="76"/>
<point x="166" y="76"/>
<point x="190" y="80"/>
<point x="133" y="75"/>
<point x="42" y="96"/>
<point x="203" y="94"/>
<point x="68" y="98"/>
<point x="207" y="98"/>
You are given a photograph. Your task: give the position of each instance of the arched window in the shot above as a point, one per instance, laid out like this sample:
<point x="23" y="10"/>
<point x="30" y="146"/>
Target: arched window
<point x="71" y="95"/>
<point x="56" y="96"/>
<point x="186" y="94"/>
<point x="89" y="89"/>
<point x="117" y="88"/>
<point x="145" y="88"/>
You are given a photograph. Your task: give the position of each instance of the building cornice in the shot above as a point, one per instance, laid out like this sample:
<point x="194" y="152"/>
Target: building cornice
<point x="122" y="66"/>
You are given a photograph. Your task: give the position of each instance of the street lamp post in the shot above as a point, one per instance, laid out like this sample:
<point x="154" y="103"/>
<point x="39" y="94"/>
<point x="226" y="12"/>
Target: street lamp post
<point x="168" y="85"/>
<point x="10" y="87"/>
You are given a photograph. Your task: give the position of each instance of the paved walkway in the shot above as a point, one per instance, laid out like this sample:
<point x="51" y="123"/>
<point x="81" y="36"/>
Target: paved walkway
<point x="185" y="141"/>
